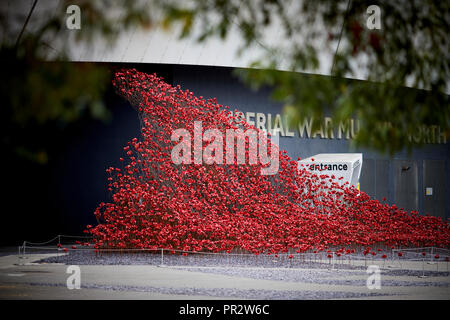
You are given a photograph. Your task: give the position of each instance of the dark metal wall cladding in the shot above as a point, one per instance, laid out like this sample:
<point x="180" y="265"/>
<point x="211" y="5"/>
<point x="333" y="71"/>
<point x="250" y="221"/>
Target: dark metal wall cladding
<point x="406" y="184"/>
<point x="382" y="169"/>
<point x="434" y="177"/>
<point x="367" y="178"/>
<point x="374" y="178"/>
<point x="408" y="187"/>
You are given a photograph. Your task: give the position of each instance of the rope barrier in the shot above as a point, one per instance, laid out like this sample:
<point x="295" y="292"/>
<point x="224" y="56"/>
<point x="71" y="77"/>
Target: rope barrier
<point x="58" y="237"/>
<point x="41" y="243"/>
<point x="81" y="237"/>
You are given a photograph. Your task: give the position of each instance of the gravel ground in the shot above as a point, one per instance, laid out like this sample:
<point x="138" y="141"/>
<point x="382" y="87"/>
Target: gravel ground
<point x="263" y="261"/>
<point x="319" y="276"/>
<point x="231" y="293"/>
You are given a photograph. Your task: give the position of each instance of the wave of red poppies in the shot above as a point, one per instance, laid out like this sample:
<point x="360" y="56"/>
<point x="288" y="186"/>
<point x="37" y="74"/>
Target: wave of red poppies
<point x="157" y="204"/>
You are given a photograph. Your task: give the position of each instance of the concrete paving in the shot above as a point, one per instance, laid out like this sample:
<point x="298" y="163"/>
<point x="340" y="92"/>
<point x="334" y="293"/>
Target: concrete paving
<point x="25" y="279"/>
